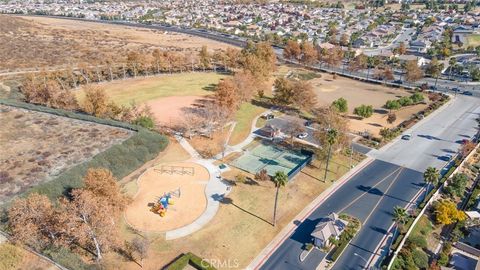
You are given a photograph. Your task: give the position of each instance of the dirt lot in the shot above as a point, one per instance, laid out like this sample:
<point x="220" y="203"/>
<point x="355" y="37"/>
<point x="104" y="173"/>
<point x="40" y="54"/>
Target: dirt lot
<point x="153" y="184"/>
<point x="39" y="41"/>
<point x="38" y="146"/>
<point x="357" y="93"/>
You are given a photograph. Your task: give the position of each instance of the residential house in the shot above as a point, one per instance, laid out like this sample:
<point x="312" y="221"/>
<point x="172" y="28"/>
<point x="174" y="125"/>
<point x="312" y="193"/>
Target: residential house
<point x="461" y="33"/>
<point x="331" y="226"/>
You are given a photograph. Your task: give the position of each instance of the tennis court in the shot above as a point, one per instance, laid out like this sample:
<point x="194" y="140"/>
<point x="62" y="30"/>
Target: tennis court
<point x="273" y="158"/>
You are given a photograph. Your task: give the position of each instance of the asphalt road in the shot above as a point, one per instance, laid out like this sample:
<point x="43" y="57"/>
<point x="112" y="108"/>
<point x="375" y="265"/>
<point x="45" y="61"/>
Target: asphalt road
<point x="405" y="36"/>
<point x="393" y="178"/>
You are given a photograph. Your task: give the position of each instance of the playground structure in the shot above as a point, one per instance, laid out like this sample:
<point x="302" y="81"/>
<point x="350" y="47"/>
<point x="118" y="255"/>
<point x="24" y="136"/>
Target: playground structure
<point x="161" y="205"/>
<point x="179" y="198"/>
<point x="181" y="170"/>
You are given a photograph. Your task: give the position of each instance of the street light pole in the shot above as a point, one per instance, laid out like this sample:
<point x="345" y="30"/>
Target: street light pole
<point x="366" y="262"/>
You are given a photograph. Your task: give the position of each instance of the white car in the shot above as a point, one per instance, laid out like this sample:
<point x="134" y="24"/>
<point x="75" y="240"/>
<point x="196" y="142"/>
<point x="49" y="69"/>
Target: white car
<point x="302" y="135"/>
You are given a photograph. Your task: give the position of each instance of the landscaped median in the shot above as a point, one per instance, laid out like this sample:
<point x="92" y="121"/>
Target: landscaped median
<point x="339" y="245"/>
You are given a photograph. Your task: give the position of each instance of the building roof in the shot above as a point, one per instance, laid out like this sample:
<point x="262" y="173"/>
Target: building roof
<point x="330" y="226"/>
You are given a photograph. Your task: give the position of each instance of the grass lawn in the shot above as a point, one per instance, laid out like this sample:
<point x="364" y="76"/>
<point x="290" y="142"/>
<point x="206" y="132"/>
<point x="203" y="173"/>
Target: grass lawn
<point x="244" y="118"/>
<point x="473" y="40"/>
<point x="244" y="218"/>
<point x="425" y="228"/>
<point x="149" y="88"/>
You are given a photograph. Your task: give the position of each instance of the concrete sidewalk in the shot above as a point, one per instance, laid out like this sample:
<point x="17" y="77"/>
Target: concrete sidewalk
<point x="291" y="226"/>
<point x="215" y="190"/>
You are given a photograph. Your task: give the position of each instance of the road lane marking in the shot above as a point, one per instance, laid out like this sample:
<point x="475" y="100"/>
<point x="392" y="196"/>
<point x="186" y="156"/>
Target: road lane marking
<point x="383" y="195"/>
<point x="366" y="192"/>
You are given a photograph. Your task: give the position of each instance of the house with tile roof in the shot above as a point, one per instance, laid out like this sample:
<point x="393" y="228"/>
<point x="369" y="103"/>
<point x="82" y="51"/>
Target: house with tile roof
<point x="331" y="226"/>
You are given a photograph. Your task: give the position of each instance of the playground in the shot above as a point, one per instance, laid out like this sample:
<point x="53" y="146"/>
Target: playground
<point x="271" y="157"/>
<point x="169" y="196"/>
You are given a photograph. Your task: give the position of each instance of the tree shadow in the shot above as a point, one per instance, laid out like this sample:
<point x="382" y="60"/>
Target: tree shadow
<point x="229" y="201"/>
<point x="211" y="87"/>
<point x="375" y="124"/>
<point x="370" y="190"/>
<point x="378" y="229"/>
<point x="262" y="103"/>
<point x="429" y="137"/>
<point x="380" y="111"/>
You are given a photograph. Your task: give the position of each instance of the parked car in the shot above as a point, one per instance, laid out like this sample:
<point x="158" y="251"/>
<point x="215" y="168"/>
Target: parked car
<point x="467" y="93"/>
<point x="398" y="81"/>
<point x="308" y="123"/>
<point x="433" y="87"/>
<point x="456" y="90"/>
<point x="302" y="135"/>
<point x="269" y="116"/>
<point x="406" y="137"/>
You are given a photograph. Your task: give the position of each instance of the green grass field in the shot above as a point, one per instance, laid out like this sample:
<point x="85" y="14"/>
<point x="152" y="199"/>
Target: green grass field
<point x="145" y="89"/>
<point x="244" y="118"/>
<point x="473" y="40"/>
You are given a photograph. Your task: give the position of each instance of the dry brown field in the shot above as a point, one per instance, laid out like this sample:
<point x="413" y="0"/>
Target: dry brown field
<point x="36" y="147"/>
<point x="29" y="42"/>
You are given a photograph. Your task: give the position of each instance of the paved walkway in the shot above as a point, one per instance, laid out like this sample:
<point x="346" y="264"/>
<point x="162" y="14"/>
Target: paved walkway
<point x="238" y="147"/>
<point x="215" y="190"/>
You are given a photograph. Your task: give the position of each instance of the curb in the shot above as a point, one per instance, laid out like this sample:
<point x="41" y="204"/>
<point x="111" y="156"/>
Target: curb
<point x="411" y="129"/>
<point x="258" y="261"/>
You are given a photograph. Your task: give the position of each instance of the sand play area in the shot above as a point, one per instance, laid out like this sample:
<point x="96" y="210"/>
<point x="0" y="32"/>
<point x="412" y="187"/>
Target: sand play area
<point x="162" y="179"/>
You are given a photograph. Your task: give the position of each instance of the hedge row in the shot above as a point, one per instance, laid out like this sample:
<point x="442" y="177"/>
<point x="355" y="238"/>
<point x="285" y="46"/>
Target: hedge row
<point x="120" y="159"/>
<point x="189" y="258"/>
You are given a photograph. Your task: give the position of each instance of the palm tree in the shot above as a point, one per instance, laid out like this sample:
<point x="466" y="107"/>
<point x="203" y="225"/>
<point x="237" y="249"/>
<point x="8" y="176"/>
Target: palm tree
<point x="280" y="179"/>
<point x="451" y="62"/>
<point x="400" y="217"/>
<point x="430" y="176"/>
<point x="332" y="136"/>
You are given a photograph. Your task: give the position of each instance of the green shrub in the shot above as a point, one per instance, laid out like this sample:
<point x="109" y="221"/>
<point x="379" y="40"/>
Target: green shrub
<point x="418" y="241"/>
<point x="10" y="256"/>
<point x="144" y="121"/>
<point x="393" y="105"/>
<point x="420" y="258"/>
<point x="340" y="105"/>
<point x="189" y="258"/>
<point x="443" y="259"/>
<point x="364" y="111"/>
<point x="68" y="259"/>
<point x="405" y="101"/>
<point x="417" y="97"/>
<point x="456" y="185"/>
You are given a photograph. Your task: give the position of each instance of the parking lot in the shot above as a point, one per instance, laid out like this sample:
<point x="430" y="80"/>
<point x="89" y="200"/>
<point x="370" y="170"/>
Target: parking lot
<point x="285" y="121"/>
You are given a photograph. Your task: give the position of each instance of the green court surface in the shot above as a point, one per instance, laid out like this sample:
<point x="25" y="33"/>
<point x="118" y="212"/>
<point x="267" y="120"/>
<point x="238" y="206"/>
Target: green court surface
<point x="272" y="158"/>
